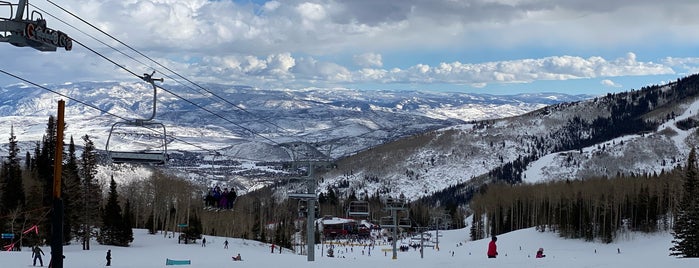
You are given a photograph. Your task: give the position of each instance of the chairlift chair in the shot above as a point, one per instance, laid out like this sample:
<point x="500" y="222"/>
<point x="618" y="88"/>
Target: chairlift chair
<point x="386" y="222"/>
<point x="358" y="209"/>
<point x="146" y="156"/>
<point x="404" y="223"/>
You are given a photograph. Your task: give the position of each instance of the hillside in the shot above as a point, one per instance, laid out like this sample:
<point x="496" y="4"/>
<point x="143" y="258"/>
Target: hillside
<point x="247" y="126"/>
<point x="641" y="131"/>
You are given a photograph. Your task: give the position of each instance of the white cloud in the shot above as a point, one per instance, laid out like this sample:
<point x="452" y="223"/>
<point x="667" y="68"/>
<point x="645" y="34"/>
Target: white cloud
<point x="279" y="41"/>
<point x="609" y="83"/>
<point x="311" y="11"/>
<point x="271" y="5"/>
<point x="314" y="70"/>
<point x="522" y="71"/>
<point x="687" y="65"/>
<point x="368" y="60"/>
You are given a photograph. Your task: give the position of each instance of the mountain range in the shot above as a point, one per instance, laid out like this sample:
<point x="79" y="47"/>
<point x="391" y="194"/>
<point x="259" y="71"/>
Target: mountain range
<point x="240" y="127"/>
<point x="634" y="133"/>
<point x="437" y="146"/>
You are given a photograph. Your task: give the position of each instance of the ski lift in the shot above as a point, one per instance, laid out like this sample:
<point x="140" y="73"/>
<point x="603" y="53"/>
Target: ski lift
<point x="358" y="209"/>
<point x="153" y="156"/>
<point x="404" y="223"/>
<point x="30" y="31"/>
<point x="147" y="155"/>
<point x="386" y="222"/>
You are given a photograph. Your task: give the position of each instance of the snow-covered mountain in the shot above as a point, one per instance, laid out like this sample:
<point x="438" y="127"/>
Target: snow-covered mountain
<point x="246" y="125"/>
<point x="632" y="133"/>
<point x="352" y="120"/>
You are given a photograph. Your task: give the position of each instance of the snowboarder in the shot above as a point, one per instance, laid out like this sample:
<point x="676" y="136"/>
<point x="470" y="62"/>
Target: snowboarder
<point x="36" y="254"/>
<point x="237" y="258"/>
<point x="109" y="257"/>
<point x="493" y="248"/>
<point x="225" y="244"/>
<point x="540" y="253"/>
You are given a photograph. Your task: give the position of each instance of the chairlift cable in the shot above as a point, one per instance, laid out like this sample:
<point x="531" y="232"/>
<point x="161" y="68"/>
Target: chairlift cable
<point x="93" y="37"/>
<point x="62" y="95"/>
<point x="176" y="95"/>
<point x="164" y="89"/>
<point x="159" y="64"/>
<point x="218" y="115"/>
<point x="96" y="108"/>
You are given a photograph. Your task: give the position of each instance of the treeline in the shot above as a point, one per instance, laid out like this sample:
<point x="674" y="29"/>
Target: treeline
<point x="26" y="195"/>
<point x="590" y="209"/>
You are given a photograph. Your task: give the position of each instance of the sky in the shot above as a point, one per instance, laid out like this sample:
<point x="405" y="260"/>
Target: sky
<point x="480" y="46"/>
<point x="515" y="250"/>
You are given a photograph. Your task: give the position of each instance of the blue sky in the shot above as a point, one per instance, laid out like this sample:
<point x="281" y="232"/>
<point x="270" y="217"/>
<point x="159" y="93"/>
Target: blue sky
<point x="485" y="46"/>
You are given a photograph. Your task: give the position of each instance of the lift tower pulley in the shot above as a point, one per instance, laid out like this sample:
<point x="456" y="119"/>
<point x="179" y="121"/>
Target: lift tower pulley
<point x="31" y="31"/>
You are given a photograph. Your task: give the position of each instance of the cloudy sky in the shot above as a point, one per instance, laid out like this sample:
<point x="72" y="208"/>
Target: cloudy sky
<point x="487" y="46"/>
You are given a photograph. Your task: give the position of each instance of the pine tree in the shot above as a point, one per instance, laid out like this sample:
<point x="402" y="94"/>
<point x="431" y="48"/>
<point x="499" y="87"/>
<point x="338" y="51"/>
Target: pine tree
<point x="127" y="234"/>
<point x="194" y="229"/>
<point x="12" y="198"/>
<point x="686" y="228"/>
<point x="72" y="195"/>
<point x="43" y="171"/>
<point x="112" y="230"/>
<point x="91" y="192"/>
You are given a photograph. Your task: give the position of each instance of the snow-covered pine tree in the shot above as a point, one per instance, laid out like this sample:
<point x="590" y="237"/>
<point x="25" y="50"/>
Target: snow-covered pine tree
<point x="686" y="228"/>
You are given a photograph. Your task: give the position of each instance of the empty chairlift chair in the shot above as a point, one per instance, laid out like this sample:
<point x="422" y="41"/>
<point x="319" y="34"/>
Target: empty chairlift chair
<point x="148" y="155"/>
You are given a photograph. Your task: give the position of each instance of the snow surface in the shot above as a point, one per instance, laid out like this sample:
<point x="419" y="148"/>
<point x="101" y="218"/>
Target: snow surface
<point x="516" y="250"/>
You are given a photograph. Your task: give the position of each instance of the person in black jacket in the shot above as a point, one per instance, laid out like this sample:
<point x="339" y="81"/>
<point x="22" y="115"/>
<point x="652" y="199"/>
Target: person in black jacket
<point x="36" y="254"/>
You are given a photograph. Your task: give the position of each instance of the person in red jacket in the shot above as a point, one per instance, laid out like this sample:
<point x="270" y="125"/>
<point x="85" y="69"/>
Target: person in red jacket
<point x="540" y="253"/>
<point x="492" y="248"/>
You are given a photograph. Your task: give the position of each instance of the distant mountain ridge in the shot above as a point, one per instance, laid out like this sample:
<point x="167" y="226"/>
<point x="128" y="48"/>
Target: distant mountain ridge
<point x="346" y="120"/>
<point x="312" y="115"/>
<point x="631" y="133"/>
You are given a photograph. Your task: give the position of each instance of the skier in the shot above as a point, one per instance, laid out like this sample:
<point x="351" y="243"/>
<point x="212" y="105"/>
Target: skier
<point x="203" y="242"/>
<point x="237" y="258"/>
<point x="493" y="248"/>
<point x="109" y="257"/>
<point x="540" y="253"/>
<point x="272" y="246"/>
<point x="225" y="244"/>
<point x="36" y="254"/>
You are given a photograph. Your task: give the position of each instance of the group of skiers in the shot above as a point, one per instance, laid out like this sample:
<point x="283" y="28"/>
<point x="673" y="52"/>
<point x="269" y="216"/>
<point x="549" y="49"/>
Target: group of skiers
<point x="216" y="198"/>
<point x="493" y="249"/>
